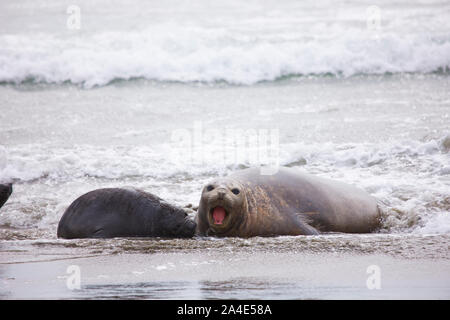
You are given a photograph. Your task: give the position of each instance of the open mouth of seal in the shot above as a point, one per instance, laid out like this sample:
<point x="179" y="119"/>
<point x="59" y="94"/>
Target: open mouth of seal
<point x="218" y="215"/>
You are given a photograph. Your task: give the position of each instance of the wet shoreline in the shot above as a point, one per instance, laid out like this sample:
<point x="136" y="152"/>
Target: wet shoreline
<point x="316" y="267"/>
<point x="407" y="246"/>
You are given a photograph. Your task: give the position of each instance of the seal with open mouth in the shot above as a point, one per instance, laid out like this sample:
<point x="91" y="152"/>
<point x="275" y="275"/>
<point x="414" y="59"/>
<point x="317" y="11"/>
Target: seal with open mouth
<point x="247" y="204"/>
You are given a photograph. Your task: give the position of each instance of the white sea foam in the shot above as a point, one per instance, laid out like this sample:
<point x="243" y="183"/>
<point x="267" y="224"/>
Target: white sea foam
<point x="437" y="223"/>
<point x="191" y="54"/>
<point x="29" y="162"/>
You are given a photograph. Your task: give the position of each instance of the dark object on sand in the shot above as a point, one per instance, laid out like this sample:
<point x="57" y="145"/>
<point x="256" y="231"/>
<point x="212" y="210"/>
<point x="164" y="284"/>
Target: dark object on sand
<point x="5" y="192"/>
<point x="115" y="212"/>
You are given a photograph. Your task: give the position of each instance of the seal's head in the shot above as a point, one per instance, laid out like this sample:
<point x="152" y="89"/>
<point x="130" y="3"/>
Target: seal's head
<point x="223" y="206"/>
<point x="174" y="221"/>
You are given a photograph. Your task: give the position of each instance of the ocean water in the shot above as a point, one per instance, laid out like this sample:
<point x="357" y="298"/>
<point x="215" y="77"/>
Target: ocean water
<point x="156" y="95"/>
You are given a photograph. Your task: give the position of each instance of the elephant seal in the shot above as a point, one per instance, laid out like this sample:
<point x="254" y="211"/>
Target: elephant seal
<point x="247" y="204"/>
<point x="5" y="192"/>
<point x="116" y="212"/>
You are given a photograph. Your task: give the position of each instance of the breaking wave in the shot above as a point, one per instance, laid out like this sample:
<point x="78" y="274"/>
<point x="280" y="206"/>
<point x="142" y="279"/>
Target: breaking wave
<point x="194" y="54"/>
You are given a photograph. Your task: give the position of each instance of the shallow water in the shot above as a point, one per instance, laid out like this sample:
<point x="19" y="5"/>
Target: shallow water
<point x="387" y="135"/>
<point x="158" y="103"/>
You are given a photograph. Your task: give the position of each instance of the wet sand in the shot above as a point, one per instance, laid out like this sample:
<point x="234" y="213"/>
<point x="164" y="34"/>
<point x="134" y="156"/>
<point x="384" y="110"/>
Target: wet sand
<point x="324" y="267"/>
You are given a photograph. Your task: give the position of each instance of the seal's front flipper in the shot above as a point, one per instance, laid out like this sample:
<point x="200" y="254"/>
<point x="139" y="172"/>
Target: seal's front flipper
<point x="304" y="221"/>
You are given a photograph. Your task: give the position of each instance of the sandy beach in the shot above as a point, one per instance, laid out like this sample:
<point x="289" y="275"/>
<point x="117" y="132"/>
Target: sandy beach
<point x="323" y="267"/>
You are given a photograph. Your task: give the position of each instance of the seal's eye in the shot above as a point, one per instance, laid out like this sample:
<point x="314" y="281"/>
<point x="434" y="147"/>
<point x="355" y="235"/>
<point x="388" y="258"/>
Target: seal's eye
<point x="209" y="188"/>
<point x="235" y="191"/>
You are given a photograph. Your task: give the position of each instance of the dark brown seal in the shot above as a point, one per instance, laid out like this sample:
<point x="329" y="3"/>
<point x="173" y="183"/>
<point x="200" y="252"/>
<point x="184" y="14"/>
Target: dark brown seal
<point x="247" y="204"/>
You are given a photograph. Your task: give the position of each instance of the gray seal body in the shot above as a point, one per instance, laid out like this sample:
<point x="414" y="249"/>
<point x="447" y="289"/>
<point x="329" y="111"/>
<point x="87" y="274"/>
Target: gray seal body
<point x="117" y="212"/>
<point x="247" y="204"/>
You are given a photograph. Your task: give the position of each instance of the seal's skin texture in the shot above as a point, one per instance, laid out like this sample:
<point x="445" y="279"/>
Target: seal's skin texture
<point x="115" y="212"/>
<point x="287" y="203"/>
<point x="5" y="192"/>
